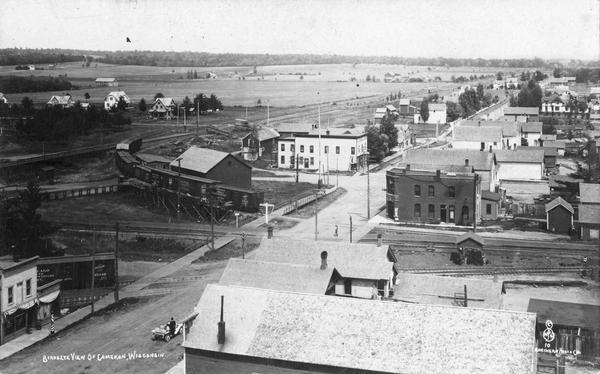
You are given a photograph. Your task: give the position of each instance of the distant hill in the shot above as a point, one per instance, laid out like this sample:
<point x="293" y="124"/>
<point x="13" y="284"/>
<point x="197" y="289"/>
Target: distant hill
<point x="16" y="56"/>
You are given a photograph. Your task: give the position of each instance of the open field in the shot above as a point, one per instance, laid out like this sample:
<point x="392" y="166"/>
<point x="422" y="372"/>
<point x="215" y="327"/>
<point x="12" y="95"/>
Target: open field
<point x="277" y="85"/>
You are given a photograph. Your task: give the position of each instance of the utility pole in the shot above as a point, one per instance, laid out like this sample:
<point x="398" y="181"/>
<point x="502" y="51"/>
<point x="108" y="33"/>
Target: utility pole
<point x="117" y="261"/>
<point x="297" y="171"/>
<point x="243" y="245"/>
<point x="317" y="192"/>
<point x="177" y="125"/>
<point x="93" y="264"/>
<point x="337" y="170"/>
<point x="319" y="181"/>
<point x="267" y="205"/>
<point x="350" y="229"/>
<point x="368" y="190"/>
<point x="197" y="116"/>
<point x="178" y="186"/>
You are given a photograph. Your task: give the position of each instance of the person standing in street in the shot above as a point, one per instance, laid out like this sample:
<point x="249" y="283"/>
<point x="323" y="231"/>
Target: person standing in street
<point x="52" y="324"/>
<point x="172" y="327"/>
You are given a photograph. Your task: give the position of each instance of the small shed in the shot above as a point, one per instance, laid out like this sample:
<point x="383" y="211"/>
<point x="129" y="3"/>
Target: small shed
<point x="470" y="240"/>
<point x="490" y="204"/>
<point x="559" y="216"/>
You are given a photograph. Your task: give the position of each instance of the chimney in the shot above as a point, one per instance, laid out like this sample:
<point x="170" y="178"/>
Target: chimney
<point x="479" y="123"/>
<point x="221" y="334"/>
<point x="490" y="149"/>
<point x="437" y="174"/>
<point x="327" y="132"/>
<point x="466" y="162"/>
<point x="323" y="260"/>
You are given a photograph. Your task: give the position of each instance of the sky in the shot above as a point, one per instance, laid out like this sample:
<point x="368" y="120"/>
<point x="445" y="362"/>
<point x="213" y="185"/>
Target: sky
<point x="562" y="29"/>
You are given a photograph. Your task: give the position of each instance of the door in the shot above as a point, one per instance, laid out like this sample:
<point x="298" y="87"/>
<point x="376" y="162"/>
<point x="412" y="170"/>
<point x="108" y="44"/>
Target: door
<point x="443" y="213"/>
<point x="348" y="286"/>
<point x="306" y="162"/>
<point x="464" y="217"/>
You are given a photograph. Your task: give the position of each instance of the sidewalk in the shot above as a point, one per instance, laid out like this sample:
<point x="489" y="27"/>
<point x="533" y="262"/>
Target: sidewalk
<point x="132" y="290"/>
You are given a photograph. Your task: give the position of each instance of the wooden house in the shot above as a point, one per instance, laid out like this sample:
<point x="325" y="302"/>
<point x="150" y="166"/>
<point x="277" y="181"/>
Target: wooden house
<point x="163" y="107"/>
<point x="589" y="210"/>
<point x="260" y="144"/>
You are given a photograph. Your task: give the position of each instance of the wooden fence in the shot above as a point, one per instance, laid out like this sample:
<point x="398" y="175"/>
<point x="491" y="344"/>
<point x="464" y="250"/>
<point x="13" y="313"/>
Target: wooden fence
<point x="79" y="192"/>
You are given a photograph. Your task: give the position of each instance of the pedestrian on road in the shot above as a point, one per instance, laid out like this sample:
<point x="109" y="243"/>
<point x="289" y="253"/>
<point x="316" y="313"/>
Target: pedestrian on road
<point x="51" y="324"/>
<point x="172" y="326"/>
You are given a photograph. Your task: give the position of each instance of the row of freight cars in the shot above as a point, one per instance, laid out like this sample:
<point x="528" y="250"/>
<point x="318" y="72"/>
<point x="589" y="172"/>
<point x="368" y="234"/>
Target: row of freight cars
<point x="171" y="181"/>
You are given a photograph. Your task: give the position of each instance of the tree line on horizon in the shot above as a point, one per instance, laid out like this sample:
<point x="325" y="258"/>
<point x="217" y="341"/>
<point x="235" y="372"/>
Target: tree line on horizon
<point x="16" y="56"/>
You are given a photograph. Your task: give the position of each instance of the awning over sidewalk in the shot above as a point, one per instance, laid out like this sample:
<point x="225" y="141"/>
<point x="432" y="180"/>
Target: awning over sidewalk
<point x="50" y="297"/>
<point x="23" y="306"/>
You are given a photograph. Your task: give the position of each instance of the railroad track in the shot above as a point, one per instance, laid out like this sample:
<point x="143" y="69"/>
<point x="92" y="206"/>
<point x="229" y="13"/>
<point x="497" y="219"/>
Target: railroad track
<point x="497" y="270"/>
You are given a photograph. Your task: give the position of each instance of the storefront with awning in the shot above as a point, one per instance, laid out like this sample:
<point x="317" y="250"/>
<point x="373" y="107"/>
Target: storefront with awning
<point x="48" y="302"/>
<point x="17" y="319"/>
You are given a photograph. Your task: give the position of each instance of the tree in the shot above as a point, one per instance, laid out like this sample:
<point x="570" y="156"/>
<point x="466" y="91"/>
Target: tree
<point x="27" y="105"/>
<point x="186" y="104"/>
<point x="258" y="102"/>
<point x="121" y="104"/>
<point x="87" y="96"/>
<point x="142" y="105"/>
<point x="480" y="91"/>
<point x="530" y="95"/>
<point x="424" y="110"/>
<point x="377" y="143"/>
<point x="453" y="111"/>
<point x="539" y="76"/>
<point x="368" y="78"/>
<point x="556" y="73"/>
<point x="499" y="76"/>
<point x="158" y="95"/>
<point x="389" y="129"/>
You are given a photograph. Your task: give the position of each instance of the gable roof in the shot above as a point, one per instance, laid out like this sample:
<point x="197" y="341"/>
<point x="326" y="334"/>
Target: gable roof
<point x="440" y="290"/>
<point x="166" y="101"/>
<point x="560" y="144"/>
<point x="348" y="333"/>
<point x="559" y="201"/>
<point x="361" y="261"/>
<point x="60" y="99"/>
<point x="437" y="106"/>
<point x="201" y="159"/>
<point x="547" y="137"/>
<point x="391" y="108"/>
<point x="531" y="127"/>
<point x="521" y="155"/>
<point x="277" y="276"/>
<point x="490" y="195"/>
<point x="589" y="192"/>
<point x="106" y="79"/>
<point x="147" y="157"/>
<point x="566" y="314"/>
<point x="404" y="102"/>
<point x="521" y="111"/>
<point x="509" y="129"/>
<point x="470" y="236"/>
<point x="478" y="134"/>
<point x="548" y="151"/>
<point x="118" y="95"/>
<point x="437" y="157"/>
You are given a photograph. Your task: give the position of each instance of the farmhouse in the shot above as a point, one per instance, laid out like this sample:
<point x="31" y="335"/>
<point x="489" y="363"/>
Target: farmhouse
<point x="531" y="133"/>
<point x="478" y="138"/>
<point x="437" y="113"/>
<point x="379" y="114"/>
<point x="3" y="99"/>
<point x="559" y="216"/>
<point x="522" y="114"/>
<point x="163" y="107"/>
<point x="340" y="149"/>
<point x="278" y="276"/>
<point x="433" y="197"/>
<point x="407" y="108"/>
<point x="589" y="210"/>
<point x="249" y="330"/>
<point x="112" y="99"/>
<point x="215" y="165"/>
<point x="449" y="160"/>
<point x="442" y="290"/>
<point x="23" y="304"/>
<point x="65" y="101"/>
<point x="365" y="269"/>
<point x="107" y="82"/>
<point x="260" y="144"/>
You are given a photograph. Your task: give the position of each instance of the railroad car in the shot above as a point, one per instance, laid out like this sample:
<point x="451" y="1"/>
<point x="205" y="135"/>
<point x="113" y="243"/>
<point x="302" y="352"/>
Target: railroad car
<point x="130" y="145"/>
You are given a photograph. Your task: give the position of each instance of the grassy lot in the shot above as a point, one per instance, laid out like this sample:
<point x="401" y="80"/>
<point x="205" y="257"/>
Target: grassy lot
<point x="134" y="249"/>
<point x="279" y="192"/>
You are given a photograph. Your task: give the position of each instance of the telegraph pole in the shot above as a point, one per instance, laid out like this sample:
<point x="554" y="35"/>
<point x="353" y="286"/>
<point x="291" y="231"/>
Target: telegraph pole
<point x="117" y="261"/>
<point x="178" y="186"/>
<point x="93" y="264"/>
<point x="368" y="190"/>
<point x="350" y="229"/>
<point x="297" y="168"/>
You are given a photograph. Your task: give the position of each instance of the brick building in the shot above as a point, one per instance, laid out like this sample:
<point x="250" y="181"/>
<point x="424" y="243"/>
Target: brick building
<point x="433" y="197"/>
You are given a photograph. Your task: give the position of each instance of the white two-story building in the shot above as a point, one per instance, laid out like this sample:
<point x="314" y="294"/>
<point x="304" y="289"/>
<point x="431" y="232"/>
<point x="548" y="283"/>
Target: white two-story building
<point x="479" y="138"/>
<point x="335" y="149"/>
<point x="112" y="99"/>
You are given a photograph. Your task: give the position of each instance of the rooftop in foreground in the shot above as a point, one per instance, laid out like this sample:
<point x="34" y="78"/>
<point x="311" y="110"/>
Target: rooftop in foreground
<point x="380" y="336"/>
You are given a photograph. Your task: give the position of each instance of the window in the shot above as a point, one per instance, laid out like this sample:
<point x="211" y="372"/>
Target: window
<point x="431" y="211"/>
<point x="431" y="191"/>
<point x="311" y="149"/>
<point x="390" y="187"/>
<point x="417" y="190"/>
<point x="312" y="160"/>
<point x="482" y="146"/>
<point x="352" y="150"/>
<point x="293" y="160"/>
<point x="28" y="286"/>
<point x="451" y="191"/>
<point x="301" y="149"/>
<point x="282" y="146"/>
<point x="495" y="143"/>
<point x="283" y="159"/>
<point x="417" y="211"/>
<point x="488" y="209"/>
<point x="293" y="148"/>
<point x="326" y="149"/>
<point x="451" y="213"/>
<point x="337" y="149"/>
<point x="10" y="295"/>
